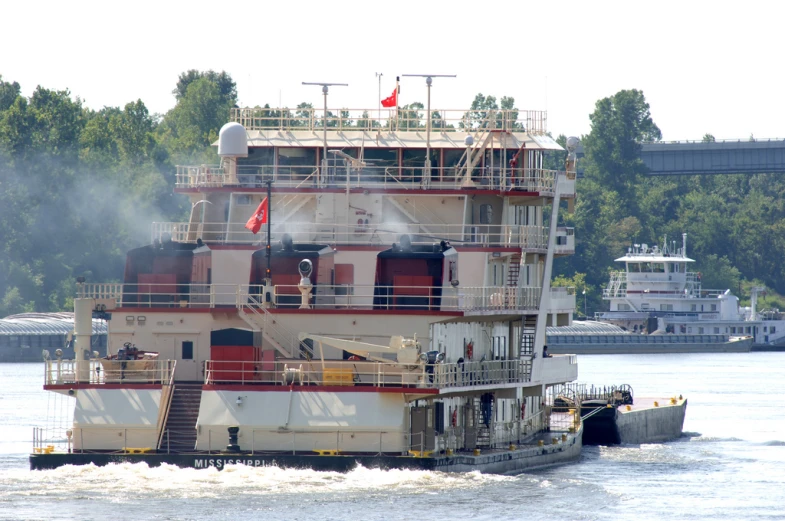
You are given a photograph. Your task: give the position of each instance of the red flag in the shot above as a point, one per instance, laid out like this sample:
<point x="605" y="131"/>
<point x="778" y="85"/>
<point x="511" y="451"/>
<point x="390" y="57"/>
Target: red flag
<point x="392" y="101"/>
<point x="258" y="218"/>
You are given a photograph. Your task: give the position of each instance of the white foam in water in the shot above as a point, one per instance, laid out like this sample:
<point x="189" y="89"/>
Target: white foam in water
<point x="174" y="481"/>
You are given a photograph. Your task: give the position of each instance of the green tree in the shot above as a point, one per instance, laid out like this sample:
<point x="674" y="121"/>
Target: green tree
<point x="718" y="273"/>
<point x="8" y="93"/>
<point x="620" y="124"/>
<point x="193" y="124"/>
<point x="227" y="88"/>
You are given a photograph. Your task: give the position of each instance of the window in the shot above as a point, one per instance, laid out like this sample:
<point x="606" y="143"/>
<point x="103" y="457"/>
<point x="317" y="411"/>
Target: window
<point x="658" y="267"/>
<point x="188" y="350"/>
<point x="244" y="199"/>
<point x="624" y="307"/>
<point x="716" y="331"/>
<point x="773" y="329"/>
<point x="693" y="307"/>
<point x="714" y="307"/>
<point x="700" y="330"/>
<point x="666" y="307"/>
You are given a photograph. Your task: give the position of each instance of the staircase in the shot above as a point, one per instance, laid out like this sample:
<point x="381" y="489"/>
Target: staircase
<point x="528" y="331"/>
<point x="180" y="430"/>
<point x="483" y="431"/>
<point x="514" y="271"/>
<point x="279" y="336"/>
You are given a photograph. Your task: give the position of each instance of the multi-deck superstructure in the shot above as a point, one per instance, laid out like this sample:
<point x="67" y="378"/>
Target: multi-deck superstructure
<point x="399" y="309"/>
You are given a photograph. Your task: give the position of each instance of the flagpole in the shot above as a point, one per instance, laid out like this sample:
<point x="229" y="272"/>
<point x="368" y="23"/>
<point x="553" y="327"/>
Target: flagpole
<point x="269" y="275"/>
<point x="397" y="100"/>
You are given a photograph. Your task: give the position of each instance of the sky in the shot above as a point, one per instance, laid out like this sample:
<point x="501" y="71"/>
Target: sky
<point x="704" y="67"/>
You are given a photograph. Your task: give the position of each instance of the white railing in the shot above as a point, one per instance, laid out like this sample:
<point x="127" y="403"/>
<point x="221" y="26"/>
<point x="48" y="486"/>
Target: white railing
<point x="617" y="287"/>
<point x="108" y="291"/>
<point x="528" y="237"/>
<point x="343" y="120"/>
<point x="491" y="373"/>
<point x="403" y="177"/>
<point x="101" y="371"/>
<point x="479" y="299"/>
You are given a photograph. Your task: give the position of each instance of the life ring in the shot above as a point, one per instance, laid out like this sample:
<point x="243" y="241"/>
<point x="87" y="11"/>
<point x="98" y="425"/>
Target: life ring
<point x="455" y="417"/>
<point x="469" y="350"/>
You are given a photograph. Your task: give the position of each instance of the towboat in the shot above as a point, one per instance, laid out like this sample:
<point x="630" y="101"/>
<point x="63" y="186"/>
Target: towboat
<point x="347" y="290"/>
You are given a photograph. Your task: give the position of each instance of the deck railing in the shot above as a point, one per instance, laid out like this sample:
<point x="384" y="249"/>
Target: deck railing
<point x="480" y="374"/>
<point x="403" y="119"/>
<point x="348" y="297"/>
<point x="413" y="177"/>
<point x="528" y="237"/>
<point x="101" y="371"/>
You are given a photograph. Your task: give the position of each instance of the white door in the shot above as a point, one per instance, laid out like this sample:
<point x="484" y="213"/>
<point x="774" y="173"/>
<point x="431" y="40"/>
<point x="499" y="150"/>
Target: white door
<point x="182" y="349"/>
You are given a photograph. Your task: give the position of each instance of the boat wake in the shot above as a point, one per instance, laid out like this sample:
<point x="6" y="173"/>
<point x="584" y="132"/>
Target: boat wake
<point x="171" y="481"/>
<point x="713" y="439"/>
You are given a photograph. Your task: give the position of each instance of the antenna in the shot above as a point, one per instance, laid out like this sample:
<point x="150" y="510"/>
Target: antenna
<point x="325" y="89"/>
<point x="428" y="82"/>
<point x="379" y="96"/>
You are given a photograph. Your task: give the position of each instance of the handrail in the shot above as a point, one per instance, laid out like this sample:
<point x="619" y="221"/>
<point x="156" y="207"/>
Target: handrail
<point x="464" y="299"/>
<point x="411" y="119"/>
<point x="248" y="301"/>
<point x="298" y="371"/>
<point x="500" y="178"/>
<point x="102" y="371"/>
<point x="170" y="384"/>
<point x="527" y="237"/>
<point x="393" y="177"/>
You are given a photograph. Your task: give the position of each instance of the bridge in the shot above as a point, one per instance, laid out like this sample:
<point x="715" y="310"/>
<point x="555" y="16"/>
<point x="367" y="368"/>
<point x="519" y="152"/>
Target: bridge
<point x="759" y="156"/>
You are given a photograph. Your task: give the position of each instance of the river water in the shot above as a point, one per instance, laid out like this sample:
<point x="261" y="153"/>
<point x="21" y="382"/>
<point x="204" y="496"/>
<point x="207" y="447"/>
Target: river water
<point x="729" y="464"/>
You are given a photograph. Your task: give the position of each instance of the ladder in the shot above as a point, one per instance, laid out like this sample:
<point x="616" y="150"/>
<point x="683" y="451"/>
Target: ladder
<point x="528" y="331"/>
<point x="514" y="270"/>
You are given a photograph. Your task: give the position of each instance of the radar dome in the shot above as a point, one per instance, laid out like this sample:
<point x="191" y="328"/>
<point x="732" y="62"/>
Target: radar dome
<point x="232" y="141"/>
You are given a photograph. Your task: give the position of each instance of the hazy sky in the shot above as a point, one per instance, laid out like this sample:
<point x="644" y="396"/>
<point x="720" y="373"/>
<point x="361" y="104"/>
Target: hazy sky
<point x="704" y="66"/>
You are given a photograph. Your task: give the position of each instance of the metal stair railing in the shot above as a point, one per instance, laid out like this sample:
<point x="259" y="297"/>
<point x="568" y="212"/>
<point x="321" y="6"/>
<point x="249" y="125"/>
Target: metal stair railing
<point x="246" y="301"/>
